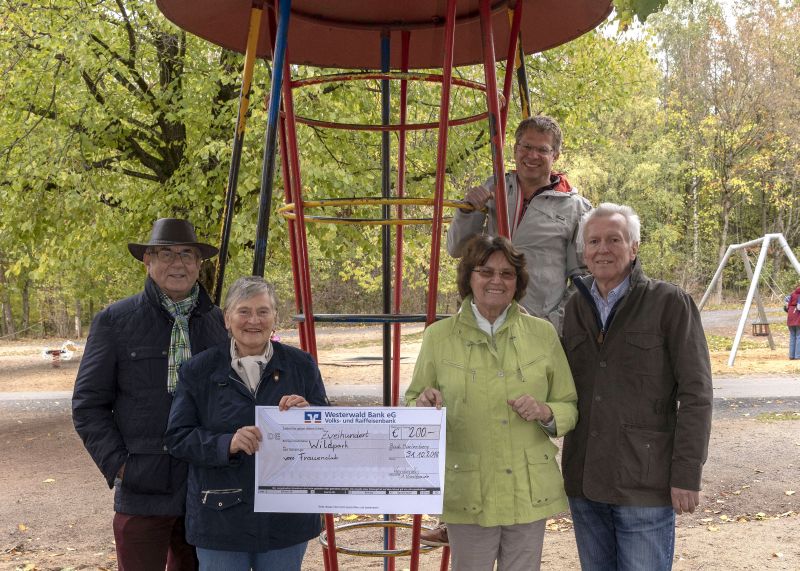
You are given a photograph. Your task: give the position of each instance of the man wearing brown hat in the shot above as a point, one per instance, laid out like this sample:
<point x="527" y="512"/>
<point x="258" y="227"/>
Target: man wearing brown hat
<point x="124" y="390"/>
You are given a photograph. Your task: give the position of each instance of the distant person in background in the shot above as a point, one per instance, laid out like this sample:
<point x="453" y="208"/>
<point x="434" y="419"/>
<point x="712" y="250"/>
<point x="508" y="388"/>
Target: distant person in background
<point x="212" y="426"/>
<point x="124" y="391"/>
<point x="793" y="321"/>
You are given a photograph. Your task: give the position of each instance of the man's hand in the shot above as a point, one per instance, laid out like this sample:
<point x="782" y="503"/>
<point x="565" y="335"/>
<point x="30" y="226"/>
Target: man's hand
<point x="478" y="196"/>
<point x="245" y="440"/>
<point x="430" y="397"/>
<point x="529" y="409"/>
<point x="684" y="501"/>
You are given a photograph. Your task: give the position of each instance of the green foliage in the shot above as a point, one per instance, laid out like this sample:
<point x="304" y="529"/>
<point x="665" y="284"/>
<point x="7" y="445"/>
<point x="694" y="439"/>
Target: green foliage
<point x="727" y="87"/>
<point x="113" y="117"/>
<point x="640" y="9"/>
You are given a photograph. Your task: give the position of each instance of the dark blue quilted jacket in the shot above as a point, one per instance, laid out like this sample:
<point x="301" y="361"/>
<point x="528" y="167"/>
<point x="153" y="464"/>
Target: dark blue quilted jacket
<point x="211" y="403"/>
<point x="120" y="405"/>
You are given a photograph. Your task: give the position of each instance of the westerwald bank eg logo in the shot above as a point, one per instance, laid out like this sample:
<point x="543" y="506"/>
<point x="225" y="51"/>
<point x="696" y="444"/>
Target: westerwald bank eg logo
<point x="312" y="417"/>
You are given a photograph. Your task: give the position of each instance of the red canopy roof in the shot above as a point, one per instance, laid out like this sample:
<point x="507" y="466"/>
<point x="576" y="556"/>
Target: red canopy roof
<point x="346" y="33"/>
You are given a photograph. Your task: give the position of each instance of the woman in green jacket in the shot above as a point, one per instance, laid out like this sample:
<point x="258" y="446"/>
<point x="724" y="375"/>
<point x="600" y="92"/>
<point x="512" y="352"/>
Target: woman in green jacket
<point x="505" y="381"/>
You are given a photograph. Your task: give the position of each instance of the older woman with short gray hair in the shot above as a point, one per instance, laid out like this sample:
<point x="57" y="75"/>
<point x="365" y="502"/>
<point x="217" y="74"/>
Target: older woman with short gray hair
<point x="212" y="426"/>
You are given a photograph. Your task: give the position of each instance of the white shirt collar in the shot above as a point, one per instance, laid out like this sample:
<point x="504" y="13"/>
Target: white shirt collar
<point x="484" y="324"/>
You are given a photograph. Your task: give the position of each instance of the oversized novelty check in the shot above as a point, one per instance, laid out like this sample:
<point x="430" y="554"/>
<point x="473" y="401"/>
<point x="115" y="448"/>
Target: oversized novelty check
<point x="350" y="460"/>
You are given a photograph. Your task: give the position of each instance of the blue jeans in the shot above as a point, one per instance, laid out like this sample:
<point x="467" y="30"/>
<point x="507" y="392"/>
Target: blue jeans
<point x="794" y="341"/>
<point x="286" y="559"/>
<point x="623" y="538"/>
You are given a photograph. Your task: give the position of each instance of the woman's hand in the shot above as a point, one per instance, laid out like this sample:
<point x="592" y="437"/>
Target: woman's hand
<point x="529" y="409"/>
<point x="245" y="440"/>
<point x="289" y="401"/>
<point x="430" y="397"/>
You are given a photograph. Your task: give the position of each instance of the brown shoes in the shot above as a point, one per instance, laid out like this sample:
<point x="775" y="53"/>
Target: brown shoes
<point x="436" y="537"/>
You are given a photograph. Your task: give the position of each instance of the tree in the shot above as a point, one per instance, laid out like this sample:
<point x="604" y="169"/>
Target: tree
<point x="722" y="96"/>
<point x="107" y="130"/>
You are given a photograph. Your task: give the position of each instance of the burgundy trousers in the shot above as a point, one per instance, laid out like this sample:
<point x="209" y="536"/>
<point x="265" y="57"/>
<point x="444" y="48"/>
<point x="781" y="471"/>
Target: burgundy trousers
<point x="152" y="543"/>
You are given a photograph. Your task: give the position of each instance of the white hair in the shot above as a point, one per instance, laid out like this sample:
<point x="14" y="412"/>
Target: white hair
<point x="607" y="209"/>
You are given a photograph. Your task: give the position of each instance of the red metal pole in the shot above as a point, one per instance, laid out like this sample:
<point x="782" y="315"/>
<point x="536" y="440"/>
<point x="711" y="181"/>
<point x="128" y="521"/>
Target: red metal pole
<point x="445" y="564"/>
<point x="514" y="40"/>
<point x="290" y="171"/>
<point x="495" y="124"/>
<point x="332" y="561"/>
<point x="441" y="162"/>
<point x="300" y="226"/>
<point x="416" y="530"/>
<point x="287" y="192"/>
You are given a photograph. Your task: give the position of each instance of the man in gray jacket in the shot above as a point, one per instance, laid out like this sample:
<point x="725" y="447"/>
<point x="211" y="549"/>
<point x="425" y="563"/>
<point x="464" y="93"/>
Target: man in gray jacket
<point x="638" y="354"/>
<point x="543" y="216"/>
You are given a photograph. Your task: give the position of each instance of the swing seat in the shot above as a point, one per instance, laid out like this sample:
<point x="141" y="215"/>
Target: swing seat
<point x="760" y="329"/>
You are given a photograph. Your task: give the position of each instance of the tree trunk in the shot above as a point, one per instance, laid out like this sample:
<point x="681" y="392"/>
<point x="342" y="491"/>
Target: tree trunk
<point x="26" y="305"/>
<point x="5" y="299"/>
<point x="695" y="226"/>
<point x="723" y="242"/>
<point x="78" y="316"/>
<point x="63" y="319"/>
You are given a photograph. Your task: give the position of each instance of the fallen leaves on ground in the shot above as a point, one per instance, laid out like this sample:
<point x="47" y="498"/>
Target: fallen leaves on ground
<point x="559" y="524"/>
<point x="712" y="524"/>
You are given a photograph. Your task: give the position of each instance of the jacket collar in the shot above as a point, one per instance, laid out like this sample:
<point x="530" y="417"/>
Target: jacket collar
<point x="584" y="284"/>
<point x="558" y="185"/>
<point x="223" y="359"/>
<point x="465" y="324"/>
<point x="151" y="291"/>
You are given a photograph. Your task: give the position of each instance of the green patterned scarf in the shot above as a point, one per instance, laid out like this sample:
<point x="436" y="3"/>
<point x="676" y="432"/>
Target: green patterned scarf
<point x="179" y="348"/>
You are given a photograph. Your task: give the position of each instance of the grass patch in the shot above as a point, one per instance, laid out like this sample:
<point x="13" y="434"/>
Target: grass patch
<point x="722" y="343"/>
<point x="775" y="416"/>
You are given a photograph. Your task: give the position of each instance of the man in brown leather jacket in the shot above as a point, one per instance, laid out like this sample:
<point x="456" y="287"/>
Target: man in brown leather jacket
<point x="639" y="358"/>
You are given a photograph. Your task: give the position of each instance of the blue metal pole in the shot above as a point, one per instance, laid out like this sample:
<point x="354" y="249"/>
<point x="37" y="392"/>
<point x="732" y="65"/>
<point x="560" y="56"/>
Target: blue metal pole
<point x="386" y="253"/>
<point x="270" y="144"/>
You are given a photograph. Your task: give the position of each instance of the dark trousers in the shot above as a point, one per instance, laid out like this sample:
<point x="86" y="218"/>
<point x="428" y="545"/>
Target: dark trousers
<point x="152" y="543"/>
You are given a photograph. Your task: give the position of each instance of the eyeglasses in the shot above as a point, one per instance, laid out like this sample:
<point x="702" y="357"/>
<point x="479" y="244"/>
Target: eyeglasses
<point x="188" y="257"/>
<point x="260" y="313"/>
<point x="489" y="273"/>
<point x="527" y="149"/>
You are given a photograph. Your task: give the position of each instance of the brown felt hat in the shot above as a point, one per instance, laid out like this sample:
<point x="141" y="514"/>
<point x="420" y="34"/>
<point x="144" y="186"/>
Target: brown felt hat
<point x="172" y="232"/>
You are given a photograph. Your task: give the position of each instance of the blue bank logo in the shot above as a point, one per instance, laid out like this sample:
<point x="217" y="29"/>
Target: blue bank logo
<point x="312" y="417"/>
